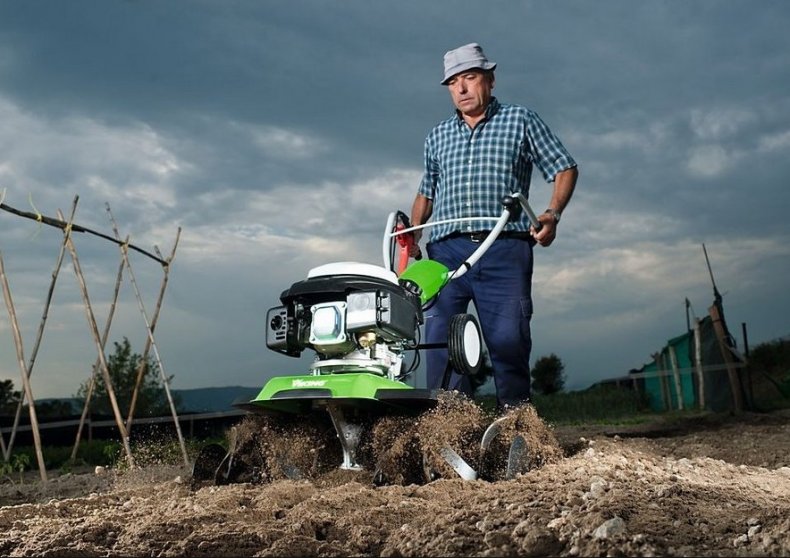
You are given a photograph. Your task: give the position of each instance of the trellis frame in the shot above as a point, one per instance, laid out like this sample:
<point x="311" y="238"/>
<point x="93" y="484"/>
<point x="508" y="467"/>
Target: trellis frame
<point x="68" y="228"/>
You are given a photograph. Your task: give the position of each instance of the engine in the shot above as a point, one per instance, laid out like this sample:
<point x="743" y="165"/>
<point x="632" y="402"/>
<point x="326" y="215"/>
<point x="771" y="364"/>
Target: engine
<point x="354" y="316"/>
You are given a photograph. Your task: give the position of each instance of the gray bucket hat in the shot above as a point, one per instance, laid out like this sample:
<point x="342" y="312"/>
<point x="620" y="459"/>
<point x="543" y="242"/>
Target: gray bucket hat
<point x="465" y="58"/>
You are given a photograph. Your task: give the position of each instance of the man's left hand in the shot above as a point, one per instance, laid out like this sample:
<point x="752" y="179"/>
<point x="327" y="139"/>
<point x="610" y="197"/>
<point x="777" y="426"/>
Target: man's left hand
<point x="548" y="230"/>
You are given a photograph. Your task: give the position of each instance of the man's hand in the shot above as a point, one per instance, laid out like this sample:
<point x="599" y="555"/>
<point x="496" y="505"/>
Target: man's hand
<point x="548" y="230"/>
<point x="420" y="213"/>
<point x="564" y="185"/>
<point x="414" y="247"/>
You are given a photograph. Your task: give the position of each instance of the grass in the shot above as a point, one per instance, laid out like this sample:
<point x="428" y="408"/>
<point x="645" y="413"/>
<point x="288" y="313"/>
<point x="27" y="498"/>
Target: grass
<point x="601" y="404"/>
<point x="595" y="405"/>
<point x="108" y="453"/>
<point x="95" y="452"/>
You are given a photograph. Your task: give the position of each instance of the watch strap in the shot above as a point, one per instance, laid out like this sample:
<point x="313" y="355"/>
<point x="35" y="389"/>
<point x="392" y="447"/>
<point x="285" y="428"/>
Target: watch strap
<point x="554" y="213"/>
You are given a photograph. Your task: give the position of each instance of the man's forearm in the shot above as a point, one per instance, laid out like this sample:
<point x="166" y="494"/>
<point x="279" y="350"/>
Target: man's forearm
<point x="421" y="210"/>
<point x="564" y="185"/>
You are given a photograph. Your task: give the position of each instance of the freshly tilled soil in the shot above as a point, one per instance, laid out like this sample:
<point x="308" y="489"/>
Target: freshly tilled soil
<point x="712" y="485"/>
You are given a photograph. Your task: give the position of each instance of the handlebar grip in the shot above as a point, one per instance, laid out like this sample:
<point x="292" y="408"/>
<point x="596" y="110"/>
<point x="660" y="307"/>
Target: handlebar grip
<point x="523" y="203"/>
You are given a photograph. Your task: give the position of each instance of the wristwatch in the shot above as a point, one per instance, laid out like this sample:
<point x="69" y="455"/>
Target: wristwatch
<point x="554" y="213"/>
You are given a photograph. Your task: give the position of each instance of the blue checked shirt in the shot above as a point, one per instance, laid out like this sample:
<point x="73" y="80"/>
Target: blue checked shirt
<point x="468" y="171"/>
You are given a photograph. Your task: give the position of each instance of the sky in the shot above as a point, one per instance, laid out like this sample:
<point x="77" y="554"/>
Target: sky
<point x="278" y="136"/>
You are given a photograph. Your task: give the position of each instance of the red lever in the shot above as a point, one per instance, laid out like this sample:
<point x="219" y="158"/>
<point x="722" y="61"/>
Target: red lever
<point x="405" y="241"/>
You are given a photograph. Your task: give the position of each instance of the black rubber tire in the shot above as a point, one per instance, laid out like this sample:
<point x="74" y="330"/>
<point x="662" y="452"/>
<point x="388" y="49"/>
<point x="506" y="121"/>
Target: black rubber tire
<point x="463" y="333"/>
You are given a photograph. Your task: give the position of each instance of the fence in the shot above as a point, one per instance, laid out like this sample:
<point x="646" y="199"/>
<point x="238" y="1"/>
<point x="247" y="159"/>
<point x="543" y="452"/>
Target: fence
<point x="62" y="432"/>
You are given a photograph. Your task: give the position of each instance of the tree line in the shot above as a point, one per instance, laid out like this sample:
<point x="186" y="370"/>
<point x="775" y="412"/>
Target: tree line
<point x="548" y="376"/>
<point x="123" y="365"/>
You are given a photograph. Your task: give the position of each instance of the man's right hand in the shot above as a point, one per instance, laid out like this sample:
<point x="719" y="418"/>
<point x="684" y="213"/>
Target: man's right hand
<point x="414" y="248"/>
<point x="421" y="211"/>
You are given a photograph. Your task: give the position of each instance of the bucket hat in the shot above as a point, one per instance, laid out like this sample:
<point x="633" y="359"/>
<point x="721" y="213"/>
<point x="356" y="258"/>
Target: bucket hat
<point x="465" y="58"/>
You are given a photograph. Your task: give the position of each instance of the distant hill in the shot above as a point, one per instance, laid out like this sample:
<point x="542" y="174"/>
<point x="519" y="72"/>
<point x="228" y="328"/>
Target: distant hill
<point x="213" y="399"/>
<point x="66" y="405"/>
<point x="198" y="400"/>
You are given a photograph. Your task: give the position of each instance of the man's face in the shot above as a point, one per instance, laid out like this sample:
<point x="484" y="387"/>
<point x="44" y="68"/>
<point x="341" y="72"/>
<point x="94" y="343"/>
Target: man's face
<point x="471" y="91"/>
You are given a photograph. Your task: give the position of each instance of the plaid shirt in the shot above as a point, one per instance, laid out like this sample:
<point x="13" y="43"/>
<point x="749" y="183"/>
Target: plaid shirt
<point x="468" y="171"/>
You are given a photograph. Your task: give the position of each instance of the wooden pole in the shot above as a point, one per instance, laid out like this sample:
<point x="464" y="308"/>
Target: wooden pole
<point x="732" y="372"/>
<point x="103" y="361"/>
<point x="3" y="448"/>
<point x="698" y="362"/>
<point x="748" y="370"/>
<point x="662" y="381"/>
<point x="42" y="323"/>
<point x="20" y="353"/>
<point x="150" y="341"/>
<point x="673" y="360"/>
<point x="95" y="368"/>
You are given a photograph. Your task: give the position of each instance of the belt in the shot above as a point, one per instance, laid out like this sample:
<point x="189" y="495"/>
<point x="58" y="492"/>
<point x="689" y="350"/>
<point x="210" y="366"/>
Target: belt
<point x="480" y="236"/>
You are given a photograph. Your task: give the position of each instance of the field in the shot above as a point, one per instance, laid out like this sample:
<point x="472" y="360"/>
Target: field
<point x="701" y="485"/>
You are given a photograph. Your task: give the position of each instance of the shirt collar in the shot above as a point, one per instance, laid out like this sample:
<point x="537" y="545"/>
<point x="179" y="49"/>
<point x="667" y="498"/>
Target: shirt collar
<point x="491" y="110"/>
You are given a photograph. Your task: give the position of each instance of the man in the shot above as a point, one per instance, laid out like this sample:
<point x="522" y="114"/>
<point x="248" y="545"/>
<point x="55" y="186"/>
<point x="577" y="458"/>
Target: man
<point x="481" y="153"/>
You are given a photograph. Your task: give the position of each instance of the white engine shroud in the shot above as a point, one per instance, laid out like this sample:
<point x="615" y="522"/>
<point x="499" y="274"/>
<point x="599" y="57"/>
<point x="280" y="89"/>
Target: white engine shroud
<point x="363" y="329"/>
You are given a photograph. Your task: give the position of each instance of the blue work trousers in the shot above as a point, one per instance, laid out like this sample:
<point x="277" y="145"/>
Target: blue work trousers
<point x="500" y="285"/>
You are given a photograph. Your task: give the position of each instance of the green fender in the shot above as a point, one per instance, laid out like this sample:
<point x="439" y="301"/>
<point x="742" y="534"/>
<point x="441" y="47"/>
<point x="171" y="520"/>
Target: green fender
<point x="429" y="275"/>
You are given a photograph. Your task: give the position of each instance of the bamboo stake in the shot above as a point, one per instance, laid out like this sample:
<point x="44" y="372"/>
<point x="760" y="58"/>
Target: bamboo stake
<point x="149" y="345"/>
<point x="95" y="368"/>
<point x="150" y="341"/>
<point x="20" y="353"/>
<point x="61" y="224"/>
<point x="103" y="361"/>
<point x="44" y="317"/>
<point x="144" y="361"/>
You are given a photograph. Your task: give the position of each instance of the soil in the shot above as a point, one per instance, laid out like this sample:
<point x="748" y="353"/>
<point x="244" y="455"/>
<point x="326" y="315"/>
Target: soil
<point x="704" y="485"/>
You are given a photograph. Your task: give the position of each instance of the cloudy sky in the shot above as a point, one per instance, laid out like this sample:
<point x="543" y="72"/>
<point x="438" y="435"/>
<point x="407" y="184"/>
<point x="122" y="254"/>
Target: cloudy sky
<point x="279" y="135"/>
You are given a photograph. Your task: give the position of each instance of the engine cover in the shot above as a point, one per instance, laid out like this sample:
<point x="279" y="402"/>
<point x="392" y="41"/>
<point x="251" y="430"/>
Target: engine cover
<point x="325" y="312"/>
